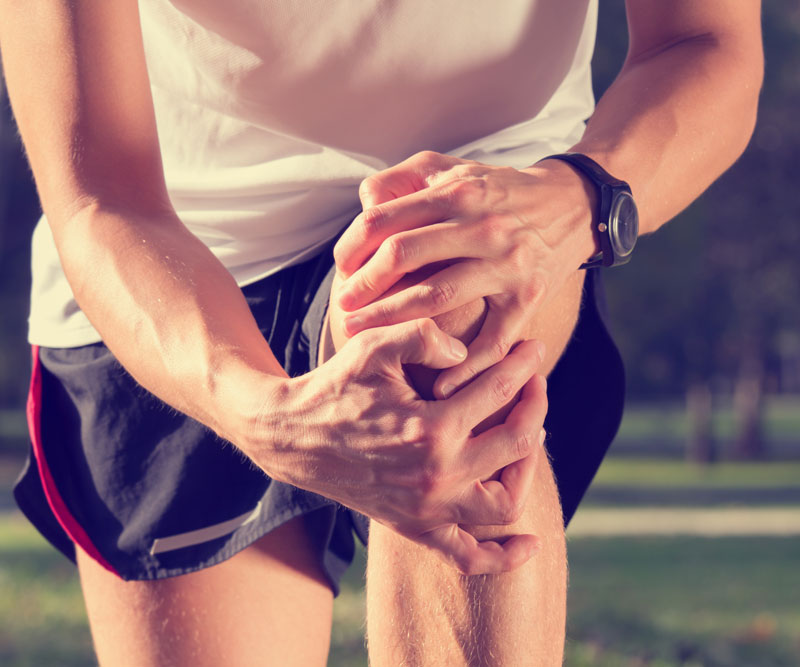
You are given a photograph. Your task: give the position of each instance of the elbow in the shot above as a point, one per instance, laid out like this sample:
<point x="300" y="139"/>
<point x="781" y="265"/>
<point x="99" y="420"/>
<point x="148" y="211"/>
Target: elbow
<point x="745" y="92"/>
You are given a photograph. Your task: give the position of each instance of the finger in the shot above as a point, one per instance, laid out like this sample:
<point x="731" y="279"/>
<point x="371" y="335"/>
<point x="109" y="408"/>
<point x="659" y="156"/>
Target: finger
<point x="496" y="386"/>
<point x="471" y="557"/>
<point x="403" y="253"/>
<point x="374" y="225"/>
<point x="402" y="179"/>
<point x="419" y="342"/>
<point x="515" y="439"/>
<point x="454" y="286"/>
<point x="499" y="331"/>
<point x="501" y="501"/>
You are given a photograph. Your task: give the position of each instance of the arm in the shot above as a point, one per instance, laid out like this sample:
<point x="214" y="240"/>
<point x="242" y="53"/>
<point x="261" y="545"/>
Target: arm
<point x="680" y="112"/>
<point x="174" y="317"/>
<point x="89" y="129"/>
<point x="683" y="107"/>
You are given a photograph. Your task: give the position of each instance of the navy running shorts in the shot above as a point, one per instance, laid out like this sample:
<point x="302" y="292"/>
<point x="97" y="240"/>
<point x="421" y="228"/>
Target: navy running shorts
<point x="150" y="493"/>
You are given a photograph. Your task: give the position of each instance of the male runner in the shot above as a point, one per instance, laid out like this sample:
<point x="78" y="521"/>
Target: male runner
<point x="185" y="149"/>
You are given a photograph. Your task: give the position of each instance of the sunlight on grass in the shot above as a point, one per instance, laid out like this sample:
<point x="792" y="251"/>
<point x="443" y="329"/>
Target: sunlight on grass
<point x="673" y="601"/>
<point x="655" y="472"/>
<point x="654" y="601"/>
<point x="667" y="421"/>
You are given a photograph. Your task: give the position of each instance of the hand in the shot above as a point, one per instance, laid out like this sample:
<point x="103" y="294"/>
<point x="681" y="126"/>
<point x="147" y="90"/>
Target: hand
<point x="354" y="430"/>
<point x="515" y="236"/>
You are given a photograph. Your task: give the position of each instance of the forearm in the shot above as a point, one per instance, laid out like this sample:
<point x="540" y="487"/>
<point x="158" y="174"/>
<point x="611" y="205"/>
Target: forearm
<point x="169" y="311"/>
<point x="676" y="118"/>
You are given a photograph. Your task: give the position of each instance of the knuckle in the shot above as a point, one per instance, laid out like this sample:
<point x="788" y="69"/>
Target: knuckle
<point x="338" y="254"/>
<point x="397" y="251"/>
<point x="467" y="170"/>
<point x="425" y="330"/>
<point x="427" y="156"/>
<point x="415" y="431"/>
<point x="535" y="289"/>
<point x="382" y="313"/>
<point x="363" y="343"/>
<point x="502" y="389"/>
<point x="437" y="430"/>
<point x="372" y="220"/>
<point x="464" y="191"/>
<point x="519" y="256"/>
<point x="369" y="184"/>
<point x="495" y="230"/>
<point x="441" y="293"/>
<point x="524" y="443"/>
<point x="363" y="282"/>
<point x="512" y="512"/>
<point x="499" y="349"/>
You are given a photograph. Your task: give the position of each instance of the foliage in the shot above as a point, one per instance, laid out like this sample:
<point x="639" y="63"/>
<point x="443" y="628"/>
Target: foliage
<point x="718" y="284"/>
<point x="19" y="209"/>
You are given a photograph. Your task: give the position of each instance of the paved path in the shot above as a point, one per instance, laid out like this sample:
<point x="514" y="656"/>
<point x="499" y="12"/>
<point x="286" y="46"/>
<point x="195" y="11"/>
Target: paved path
<point x="713" y="522"/>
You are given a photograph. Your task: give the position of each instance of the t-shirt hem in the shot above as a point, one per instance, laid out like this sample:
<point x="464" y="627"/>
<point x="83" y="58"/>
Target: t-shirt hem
<point x="77" y="337"/>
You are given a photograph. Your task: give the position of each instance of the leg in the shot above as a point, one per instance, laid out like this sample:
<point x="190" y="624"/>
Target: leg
<point x="268" y="605"/>
<point x="421" y="612"/>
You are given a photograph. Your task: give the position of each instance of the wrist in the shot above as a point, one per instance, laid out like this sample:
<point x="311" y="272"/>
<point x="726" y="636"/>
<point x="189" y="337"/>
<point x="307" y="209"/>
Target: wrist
<point x="245" y="397"/>
<point x="571" y="206"/>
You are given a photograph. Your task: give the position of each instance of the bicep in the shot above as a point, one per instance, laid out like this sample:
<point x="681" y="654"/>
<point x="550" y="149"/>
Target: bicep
<point x="655" y="25"/>
<point x="79" y="88"/>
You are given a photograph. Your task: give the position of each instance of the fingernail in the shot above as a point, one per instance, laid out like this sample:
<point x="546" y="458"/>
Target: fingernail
<point x="542" y="436"/>
<point x="457" y="349"/>
<point x="541" y="349"/>
<point x="447" y="389"/>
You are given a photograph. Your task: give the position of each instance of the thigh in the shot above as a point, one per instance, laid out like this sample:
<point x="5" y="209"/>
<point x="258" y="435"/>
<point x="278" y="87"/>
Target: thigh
<point x="270" y="604"/>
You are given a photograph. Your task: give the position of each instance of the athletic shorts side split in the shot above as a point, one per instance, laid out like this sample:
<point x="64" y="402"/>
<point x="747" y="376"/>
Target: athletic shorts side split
<point x="150" y="493"/>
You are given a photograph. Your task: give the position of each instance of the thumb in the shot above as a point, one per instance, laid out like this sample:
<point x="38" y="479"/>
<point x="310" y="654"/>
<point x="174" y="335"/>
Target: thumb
<point x="422" y="342"/>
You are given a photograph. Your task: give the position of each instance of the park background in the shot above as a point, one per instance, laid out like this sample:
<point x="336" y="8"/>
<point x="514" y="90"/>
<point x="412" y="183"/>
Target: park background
<point x="686" y="550"/>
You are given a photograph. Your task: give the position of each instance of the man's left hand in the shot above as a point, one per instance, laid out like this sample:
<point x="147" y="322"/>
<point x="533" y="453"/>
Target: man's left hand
<point x="510" y="236"/>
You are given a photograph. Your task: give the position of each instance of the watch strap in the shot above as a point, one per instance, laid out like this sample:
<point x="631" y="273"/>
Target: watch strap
<point x="601" y="179"/>
<point x="594" y="171"/>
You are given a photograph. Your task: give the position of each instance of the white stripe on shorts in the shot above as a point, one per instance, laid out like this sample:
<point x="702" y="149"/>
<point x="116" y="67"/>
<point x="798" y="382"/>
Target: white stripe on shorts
<point x="182" y="540"/>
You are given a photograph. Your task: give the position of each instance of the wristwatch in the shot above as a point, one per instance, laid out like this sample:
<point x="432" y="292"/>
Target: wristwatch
<point x="617" y="221"/>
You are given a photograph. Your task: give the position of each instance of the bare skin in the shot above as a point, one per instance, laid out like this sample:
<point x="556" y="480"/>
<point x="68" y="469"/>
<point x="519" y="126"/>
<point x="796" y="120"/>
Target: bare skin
<point x="271" y="606"/>
<point x="680" y="112"/>
<point x="516" y="618"/>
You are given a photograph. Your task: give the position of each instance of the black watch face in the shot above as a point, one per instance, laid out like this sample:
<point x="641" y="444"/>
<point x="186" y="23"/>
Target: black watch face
<point x="623" y="225"/>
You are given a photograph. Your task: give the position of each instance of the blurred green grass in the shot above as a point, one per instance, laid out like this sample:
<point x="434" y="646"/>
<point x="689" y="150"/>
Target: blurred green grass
<point x="634" y="601"/>
<point x="638" y="482"/>
<point x="721" y="602"/>
<point x="661" y="429"/>
<point x="679" y="475"/>
<point x="725" y="602"/>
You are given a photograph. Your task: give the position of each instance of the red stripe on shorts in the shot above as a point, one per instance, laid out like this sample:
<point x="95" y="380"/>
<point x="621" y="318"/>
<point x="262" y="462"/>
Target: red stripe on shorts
<point x="68" y="522"/>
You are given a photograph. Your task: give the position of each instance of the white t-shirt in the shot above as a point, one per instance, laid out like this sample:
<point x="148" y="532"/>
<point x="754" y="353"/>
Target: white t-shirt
<point x="271" y="113"/>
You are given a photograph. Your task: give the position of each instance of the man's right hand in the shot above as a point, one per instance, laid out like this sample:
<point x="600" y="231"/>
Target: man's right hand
<point x="355" y="431"/>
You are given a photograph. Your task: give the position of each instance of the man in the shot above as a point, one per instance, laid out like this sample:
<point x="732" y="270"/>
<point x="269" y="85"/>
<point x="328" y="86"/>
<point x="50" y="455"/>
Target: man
<point x="267" y="117"/>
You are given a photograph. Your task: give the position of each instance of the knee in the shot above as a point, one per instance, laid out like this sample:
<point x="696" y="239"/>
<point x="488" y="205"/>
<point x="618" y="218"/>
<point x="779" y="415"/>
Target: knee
<point x="463" y="323"/>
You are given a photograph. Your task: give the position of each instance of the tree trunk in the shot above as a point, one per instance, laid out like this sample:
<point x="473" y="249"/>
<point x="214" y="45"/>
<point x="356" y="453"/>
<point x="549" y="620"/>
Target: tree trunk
<point x="748" y="405"/>
<point x="700" y="446"/>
